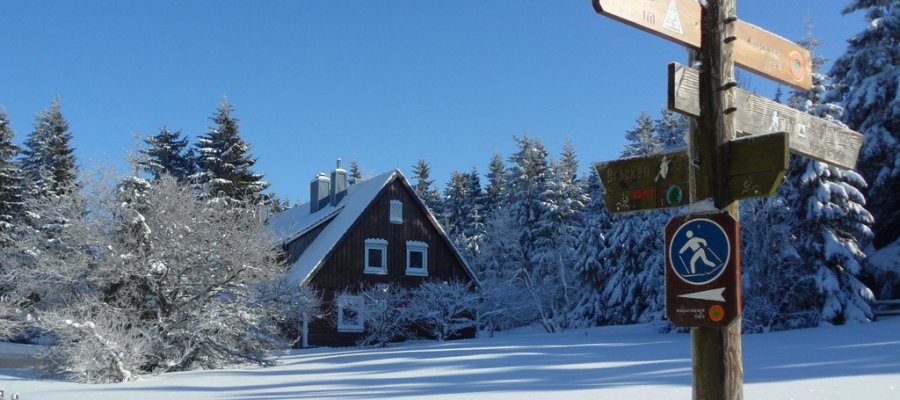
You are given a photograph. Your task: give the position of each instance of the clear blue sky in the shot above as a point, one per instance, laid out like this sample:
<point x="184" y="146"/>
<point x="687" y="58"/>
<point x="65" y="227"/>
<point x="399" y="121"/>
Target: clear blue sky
<point x="385" y="82"/>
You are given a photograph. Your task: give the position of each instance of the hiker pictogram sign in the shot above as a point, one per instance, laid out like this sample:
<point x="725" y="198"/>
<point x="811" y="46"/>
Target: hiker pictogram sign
<point x="702" y="270"/>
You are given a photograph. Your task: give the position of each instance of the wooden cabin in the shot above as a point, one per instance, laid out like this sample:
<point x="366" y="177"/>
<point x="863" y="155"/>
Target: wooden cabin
<point x="352" y="235"/>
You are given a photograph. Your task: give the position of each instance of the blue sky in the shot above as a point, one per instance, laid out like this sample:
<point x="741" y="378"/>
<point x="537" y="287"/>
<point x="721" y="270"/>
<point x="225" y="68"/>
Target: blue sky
<point x="385" y="82"/>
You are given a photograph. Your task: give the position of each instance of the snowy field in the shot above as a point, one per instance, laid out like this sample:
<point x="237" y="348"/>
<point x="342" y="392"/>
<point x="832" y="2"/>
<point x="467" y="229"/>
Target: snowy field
<point x="632" y="362"/>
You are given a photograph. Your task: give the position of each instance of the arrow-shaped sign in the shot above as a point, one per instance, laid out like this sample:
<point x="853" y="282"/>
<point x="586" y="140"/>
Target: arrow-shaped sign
<point x="810" y="136"/>
<point x="712" y="295"/>
<point x="755" y="49"/>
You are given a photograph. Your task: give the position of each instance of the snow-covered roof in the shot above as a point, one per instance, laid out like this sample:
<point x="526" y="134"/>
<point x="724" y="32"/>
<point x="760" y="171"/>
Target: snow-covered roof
<point x="298" y="221"/>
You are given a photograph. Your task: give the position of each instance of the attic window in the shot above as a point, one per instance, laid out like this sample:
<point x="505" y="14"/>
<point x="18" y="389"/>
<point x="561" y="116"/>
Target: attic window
<point x="376" y="257"/>
<point x="396" y="212"/>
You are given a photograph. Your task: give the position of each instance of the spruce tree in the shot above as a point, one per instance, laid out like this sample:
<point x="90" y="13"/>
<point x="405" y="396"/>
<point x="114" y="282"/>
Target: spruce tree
<point x="588" y="265"/>
<point x="670" y="130"/>
<point x="224" y="163"/>
<point x="641" y="138"/>
<point x="496" y="185"/>
<point x="10" y="177"/>
<point x="865" y="83"/>
<point x="355" y="173"/>
<point x="167" y="153"/>
<point x="48" y="161"/>
<point x="424" y="187"/>
<point x="831" y="216"/>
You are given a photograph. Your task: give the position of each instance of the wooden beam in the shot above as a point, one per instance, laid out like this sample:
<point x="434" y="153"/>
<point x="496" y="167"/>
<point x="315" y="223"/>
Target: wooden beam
<point x="810" y="136"/>
<point x="718" y="372"/>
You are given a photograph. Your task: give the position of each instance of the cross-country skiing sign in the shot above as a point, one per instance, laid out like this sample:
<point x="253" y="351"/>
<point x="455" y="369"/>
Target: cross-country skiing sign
<point x="702" y="270"/>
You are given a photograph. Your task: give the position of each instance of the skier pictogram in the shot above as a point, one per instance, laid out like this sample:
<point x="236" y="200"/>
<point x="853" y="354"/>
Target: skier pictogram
<point x="699" y="251"/>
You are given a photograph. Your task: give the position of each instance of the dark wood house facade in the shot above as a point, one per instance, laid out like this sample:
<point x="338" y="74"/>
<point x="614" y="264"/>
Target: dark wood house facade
<point x="377" y="231"/>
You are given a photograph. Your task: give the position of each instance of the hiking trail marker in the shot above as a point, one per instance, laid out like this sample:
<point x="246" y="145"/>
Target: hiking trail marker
<point x="702" y="274"/>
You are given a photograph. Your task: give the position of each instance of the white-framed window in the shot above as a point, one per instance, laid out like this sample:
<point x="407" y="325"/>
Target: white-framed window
<point x="396" y="212"/>
<point x="350" y="317"/>
<point x="416" y="258"/>
<point x="376" y="256"/>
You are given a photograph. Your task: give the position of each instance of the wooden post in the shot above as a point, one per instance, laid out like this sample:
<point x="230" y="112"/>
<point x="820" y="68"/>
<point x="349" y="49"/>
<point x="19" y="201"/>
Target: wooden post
<point x="717" y="366"/>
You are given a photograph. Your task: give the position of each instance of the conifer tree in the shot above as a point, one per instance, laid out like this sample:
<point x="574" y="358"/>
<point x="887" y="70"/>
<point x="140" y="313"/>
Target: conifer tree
<point x="224" y="163"/>
<point x="496" y="184"/>
<point x="48" y="160"/>
<point x="588" y="265"/>
<point x="641" y="139"/>
<point x="424" y="187"/>
<point x="670" y="130"/>
<point x="10" y="177"/>
<point x="865" y="83"/>
<point x="831" y="216"/>
<point x="167" y="153"/>
<point x="355" y="173"/>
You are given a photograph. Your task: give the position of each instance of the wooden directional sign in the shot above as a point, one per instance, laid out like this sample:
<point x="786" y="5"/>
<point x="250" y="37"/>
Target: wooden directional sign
<point x="755" y="49"/>
<point x="810" y="136"/>
<point x="645" y="183"/>
<point x="703" y="273"/>
<point x="757" y="165"/>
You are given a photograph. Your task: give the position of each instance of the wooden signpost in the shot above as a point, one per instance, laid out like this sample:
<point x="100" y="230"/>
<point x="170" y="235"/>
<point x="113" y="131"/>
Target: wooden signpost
<point x="811" y="136"/>
<point x="703" y="266"/>
<point x="755" y="49"/>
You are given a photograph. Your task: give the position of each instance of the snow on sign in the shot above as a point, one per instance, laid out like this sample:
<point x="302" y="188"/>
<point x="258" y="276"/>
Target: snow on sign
<point x="702" y="270"/>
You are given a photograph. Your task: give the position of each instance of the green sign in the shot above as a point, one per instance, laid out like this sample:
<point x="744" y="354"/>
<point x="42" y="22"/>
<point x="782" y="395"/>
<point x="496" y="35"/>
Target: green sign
<point x="645" y="183"/>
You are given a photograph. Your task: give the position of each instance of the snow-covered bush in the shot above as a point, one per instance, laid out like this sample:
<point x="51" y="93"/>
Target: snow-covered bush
<point x="95" y="347"/>
<point x="187" y="271"/>
<point x="295" y="308"/>
<point x="384" y="312"/>
<point x="444" y="308"/>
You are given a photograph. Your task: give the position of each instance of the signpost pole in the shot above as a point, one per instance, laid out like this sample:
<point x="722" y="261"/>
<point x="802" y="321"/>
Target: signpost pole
<point x="717" y="357"/>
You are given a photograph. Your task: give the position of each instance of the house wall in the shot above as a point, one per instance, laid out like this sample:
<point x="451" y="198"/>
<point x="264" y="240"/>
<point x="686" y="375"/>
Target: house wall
<point x="343" y="268"/>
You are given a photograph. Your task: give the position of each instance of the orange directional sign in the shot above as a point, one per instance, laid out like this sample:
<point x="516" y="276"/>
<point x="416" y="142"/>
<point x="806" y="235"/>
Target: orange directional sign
<point x="755" y="49"/>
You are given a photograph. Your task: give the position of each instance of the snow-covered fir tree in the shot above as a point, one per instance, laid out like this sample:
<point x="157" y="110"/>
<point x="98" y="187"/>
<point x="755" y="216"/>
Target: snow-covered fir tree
<point x="10" y="179"/>
<point x="588" y="265"/>
<point x="641" y="139"/>
<point x="462" y="208"/>
<point x="865" y="84"/>
<point x="355" y="173"/>
<point x="224" y="162"/>
<point x="48" y="161"/>
<point x="831" y="216"/>
<point x="632" y="276"/>
<point x="561" y="221"/>
<point x="425" y="189"/>
<point x="167" y="153"/>
<point x="496" y="185"/>
<point x="671" y="129"/>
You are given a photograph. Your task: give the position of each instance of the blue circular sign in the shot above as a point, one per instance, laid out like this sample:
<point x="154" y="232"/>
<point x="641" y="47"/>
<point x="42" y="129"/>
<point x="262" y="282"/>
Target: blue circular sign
<point x="699" y="251"/>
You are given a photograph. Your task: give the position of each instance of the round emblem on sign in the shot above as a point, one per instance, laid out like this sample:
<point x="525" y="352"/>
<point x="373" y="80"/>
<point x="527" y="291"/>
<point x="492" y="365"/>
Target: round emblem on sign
<point x="699" y="251"/>
<point x="797" y="65"/>
<point x="675" y="195"/>
<point x="716" y="313"/>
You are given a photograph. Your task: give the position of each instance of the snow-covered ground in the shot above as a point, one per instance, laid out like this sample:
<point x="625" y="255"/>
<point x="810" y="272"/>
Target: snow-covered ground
<point x="625" y="362"/>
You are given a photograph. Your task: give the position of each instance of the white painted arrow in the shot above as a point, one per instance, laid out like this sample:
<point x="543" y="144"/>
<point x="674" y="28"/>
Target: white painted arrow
<point x="713" y="294"/>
